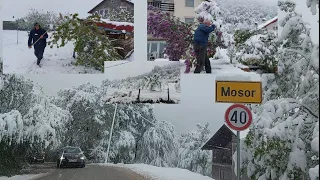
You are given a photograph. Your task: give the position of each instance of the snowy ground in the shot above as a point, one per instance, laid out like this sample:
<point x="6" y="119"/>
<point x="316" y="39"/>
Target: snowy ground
<point x="18" y="58"/>
<point x="161" y="173"/>
<point x="217" y="66"/>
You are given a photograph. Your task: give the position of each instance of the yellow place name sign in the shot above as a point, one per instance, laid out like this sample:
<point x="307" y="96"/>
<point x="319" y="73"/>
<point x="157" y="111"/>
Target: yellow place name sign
<point x="246" y="92"/>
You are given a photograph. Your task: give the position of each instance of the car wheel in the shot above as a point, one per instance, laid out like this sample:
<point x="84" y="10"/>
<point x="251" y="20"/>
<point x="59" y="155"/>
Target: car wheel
<point x="42" y="161"/>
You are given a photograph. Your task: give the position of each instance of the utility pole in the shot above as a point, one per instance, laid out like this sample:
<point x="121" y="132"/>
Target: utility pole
<point x="110" y="136"/>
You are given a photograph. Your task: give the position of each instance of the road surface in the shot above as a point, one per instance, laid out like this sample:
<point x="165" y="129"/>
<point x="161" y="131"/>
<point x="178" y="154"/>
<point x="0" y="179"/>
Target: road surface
<point x="91" y="172"/>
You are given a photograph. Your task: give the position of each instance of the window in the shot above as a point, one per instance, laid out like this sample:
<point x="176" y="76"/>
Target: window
<point x="104" y="12"/>
<point x="162" y="45"/>
<point x="155" y="49"/>
<point x="189" y="3"/>
<point x="188" y="20"/>
<point x="221" y="174"/>
<point x="275" y="27"/>
<point x="101" y="12"/>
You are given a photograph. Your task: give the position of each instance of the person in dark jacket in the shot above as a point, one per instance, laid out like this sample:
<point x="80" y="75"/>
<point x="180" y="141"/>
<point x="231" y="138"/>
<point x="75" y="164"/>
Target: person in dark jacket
<point x="201" y="36"/>
<point x="38" y="36"/>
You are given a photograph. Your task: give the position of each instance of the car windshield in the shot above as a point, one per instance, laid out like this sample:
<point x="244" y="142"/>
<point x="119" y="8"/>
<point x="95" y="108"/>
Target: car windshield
<point x="71" y="150"/>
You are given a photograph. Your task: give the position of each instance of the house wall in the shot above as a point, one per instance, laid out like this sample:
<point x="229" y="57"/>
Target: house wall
<point x="222" y="169"/>
<point x="270" y="27"/>
<point x="222" y="163"/>
<point x="115" y="4"/>
<point x="182" y="12"/>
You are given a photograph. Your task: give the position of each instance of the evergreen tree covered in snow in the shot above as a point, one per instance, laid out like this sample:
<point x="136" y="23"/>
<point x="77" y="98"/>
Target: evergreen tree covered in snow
<point x="120" y="16"/>
<point x="90" y="42"/>
<point x="190" y="155"/>
<point x="283" y="142"/>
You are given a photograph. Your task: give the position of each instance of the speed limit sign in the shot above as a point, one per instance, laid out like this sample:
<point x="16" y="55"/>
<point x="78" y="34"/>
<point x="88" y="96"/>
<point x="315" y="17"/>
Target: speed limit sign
<point x="238" y="117"/>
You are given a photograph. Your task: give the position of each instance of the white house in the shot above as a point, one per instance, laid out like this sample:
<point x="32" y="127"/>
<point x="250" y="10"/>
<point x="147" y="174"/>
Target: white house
<point x="184" y="9"/>
<point x="270" y="25"/>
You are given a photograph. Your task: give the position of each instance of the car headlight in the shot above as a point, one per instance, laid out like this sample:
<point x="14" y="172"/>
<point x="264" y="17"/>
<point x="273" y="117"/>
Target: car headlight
<point x="61" y="158"/>
<point x="34" y="157"/>
<point x="82" y="157"/>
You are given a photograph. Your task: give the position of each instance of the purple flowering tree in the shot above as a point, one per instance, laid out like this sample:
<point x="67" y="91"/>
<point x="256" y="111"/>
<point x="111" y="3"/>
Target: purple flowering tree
<point x="178" y="34"/>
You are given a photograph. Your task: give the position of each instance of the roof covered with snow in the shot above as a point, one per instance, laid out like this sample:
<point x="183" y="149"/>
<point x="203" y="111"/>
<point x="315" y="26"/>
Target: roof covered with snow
<point x="265" y="24"/>
<point x="128" y="1"/>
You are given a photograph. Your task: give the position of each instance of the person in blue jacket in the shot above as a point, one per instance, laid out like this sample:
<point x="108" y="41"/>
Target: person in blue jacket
<point x="201" y="36"/>
<point x="38" y="34"/>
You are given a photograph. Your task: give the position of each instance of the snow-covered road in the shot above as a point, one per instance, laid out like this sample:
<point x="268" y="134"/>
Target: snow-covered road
<point x="113" y="171"/>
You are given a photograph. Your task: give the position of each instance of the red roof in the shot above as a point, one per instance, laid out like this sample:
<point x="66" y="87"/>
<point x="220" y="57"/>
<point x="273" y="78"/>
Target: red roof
<point x="127" y="28"/>
<point x="267" y="23"/>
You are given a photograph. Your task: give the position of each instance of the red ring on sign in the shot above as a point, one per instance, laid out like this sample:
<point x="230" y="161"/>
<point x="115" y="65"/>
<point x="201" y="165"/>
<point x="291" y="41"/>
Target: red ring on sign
<point x="228" y="120"/>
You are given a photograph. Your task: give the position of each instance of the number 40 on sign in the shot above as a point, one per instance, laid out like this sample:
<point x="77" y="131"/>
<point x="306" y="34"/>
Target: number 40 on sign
<point x="238" y="117"/>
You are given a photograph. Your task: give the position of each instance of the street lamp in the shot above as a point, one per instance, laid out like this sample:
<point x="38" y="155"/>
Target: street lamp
<point x="17" y="30"/>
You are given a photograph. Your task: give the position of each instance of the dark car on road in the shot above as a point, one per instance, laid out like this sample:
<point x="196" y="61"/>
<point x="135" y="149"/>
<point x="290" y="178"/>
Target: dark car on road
<point x="71" y="156"/>
<point x="37" y="157"/>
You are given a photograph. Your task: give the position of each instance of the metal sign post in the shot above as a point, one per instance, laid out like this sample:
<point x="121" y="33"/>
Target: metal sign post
<point x="238" y="155"/>
<point x="238" y="117"/>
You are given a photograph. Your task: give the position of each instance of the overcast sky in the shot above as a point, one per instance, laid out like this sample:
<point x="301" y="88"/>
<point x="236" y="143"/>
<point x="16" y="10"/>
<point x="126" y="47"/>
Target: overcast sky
<point x="197" y="98"/>
<point x="19" y="8"/>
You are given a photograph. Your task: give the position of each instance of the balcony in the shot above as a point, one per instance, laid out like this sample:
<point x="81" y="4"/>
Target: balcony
<point x="162" y="6"/>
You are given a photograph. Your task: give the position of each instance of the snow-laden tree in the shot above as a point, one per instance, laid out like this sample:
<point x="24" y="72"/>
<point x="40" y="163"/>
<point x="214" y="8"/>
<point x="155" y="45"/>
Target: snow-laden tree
<point x="245" y="14"/>
<point x="89" y="119"/>
<point x="123" y="149"/>
<point x="92" y="119"/>
<point x="157" y="145"/>
<point x="90" y="42"/>
<point x="16" y="93"/>
<point x="259" y="50"/>
<point x="28" y="121"/>
<point x="190" y="155"/>
<point x="121" y="15"/>
<point x="39" y="16"/>
<point x="153" y="82"/>
<point x="283" y="140"/>
<point x="208" y="10"/>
